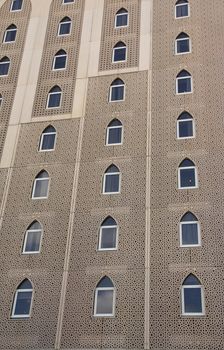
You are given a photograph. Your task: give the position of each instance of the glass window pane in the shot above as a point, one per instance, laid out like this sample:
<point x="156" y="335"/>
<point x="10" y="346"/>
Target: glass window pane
<point x="10" y="35"/>
<point x="117" y="93"/>
<point x="186" y="128"/>
<point x="48" y="142"/>
<point x="108" y="238"/>
<point x="122" y="20"/>
<point x="190" y="234"/>
<point x="104" y="302"/>
<point x="54" y="100"/>
<point x="120" y="54"/>
<point x="182" y="10"/>
<point x="41" y="188"/>
<point x="23" y="303"/>
<point x="112" y="183"/>
<point x="17" y="5"/>
<point x="187" y="177"/>
<point x="33" y="241"/>
<point x="60" y="62"/>
<point x="192" y="300"/>
<point x="114" y="135"/>
<point x="183" y="46"/>
<point x="184" y="85"/>
<point x="64" y="28"/>
<point x="4" y="68"/>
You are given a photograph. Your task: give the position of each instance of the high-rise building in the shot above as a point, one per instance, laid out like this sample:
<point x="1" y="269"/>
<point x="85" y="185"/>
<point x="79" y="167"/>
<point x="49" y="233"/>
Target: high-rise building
<point x="111" y="174"/>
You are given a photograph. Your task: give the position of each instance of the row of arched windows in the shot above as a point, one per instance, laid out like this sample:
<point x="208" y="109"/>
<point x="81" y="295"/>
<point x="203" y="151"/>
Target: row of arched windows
<point x="192" y="298"/>
<point x="189" y="230"/>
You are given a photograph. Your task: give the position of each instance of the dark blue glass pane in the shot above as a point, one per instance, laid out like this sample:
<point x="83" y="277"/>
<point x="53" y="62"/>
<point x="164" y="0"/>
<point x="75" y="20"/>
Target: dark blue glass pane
<point x="54" y="100"/>
<point x="33" y="241"/>
<point x="17" y="5"/>
<point x="192" y="300"/>
<point x="186" y="128"/>
<point x="108" y="238"/>
<point x="10" y="36"/>
<point x="4" y="68"/>
<point x="122" y="20"/>
<point x="109" y="222"/>
<point x="60" y="62"/>
<point x="190" y="234"/>
<point x="48" y="142"/>
<point x="184" y="85"/>
<point x="117" y="93"/>
<point x="120" y="54"/>
<point x="114" y="136"/>
<point x="104" y="302"/>
<point x="187" y="177"/>
<point x="112" y="183"/>
<point x="64" y="28"/>
<point x="191" y="280"/>
<point x="189" y="217"/>
<point x="182" y="10"/>
<point x="183" y="46"/>
<point x="23" y="303"/>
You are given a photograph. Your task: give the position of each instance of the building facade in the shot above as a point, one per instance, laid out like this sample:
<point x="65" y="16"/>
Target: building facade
<point x="111" y="158"/>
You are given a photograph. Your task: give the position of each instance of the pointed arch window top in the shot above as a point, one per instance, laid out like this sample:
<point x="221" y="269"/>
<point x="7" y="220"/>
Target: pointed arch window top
<point x="185" y="115"/>
<point x="26" y="284"/>
<point x="188" y="217"/>
<point x="121" y="18"/>
<point x="183" y="73"/>
<point x="105" y="282"/>
<point x="112" y="169"/>
<point x="35" y="226"/>
<point x="109" y="221"/>
<point x="186" y="163"/>
<point x="43" y="175"/>
<point x="191" y="280"/>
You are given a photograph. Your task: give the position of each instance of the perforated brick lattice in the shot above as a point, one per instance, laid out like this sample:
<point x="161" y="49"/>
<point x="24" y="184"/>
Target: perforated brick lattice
<point x="53" y="43"/>
<point x="111" y="35"/>
<point x="14" y="52"/>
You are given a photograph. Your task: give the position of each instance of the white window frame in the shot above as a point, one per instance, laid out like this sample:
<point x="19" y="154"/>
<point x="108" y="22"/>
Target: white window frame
<point x="181" y="224"/>
<point x="26" y="252"/>
<point x="34" y="187"/>
<point x="193" y="128"/>
<point x="5" y="34"/>
<point x="104" y="182"/>
<point x="48" y="99"/>
<point x="1" y="101"/>
<point x="202" y="300"/>
<point x="11" y="10"/>
<point x="42" y="139"/>
<point x="184" y="93"/>
<point x="15" y="301"/>
<point x="119" y="48"/>
<point x="196" y="177"/>
<point x="108" y="132"/>
<point x="118" y="15"/>
<point x="54" y="61"/>
<point x="95" y="301"/>
<point x="178" y="5"/>
<point x="115" y="86"/>
<point x="100" y="238"/>
<point x="59" y="26"/>
<point x="183" y="53"/>
<point x="9" y="63"/>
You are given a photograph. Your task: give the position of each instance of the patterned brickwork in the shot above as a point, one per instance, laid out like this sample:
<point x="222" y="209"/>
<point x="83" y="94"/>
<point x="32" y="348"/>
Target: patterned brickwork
<point x="53" y="43"/>
<point x="111" y="35"/>
<point x="170" y="264"/>
<point x="14" y="51"/>
<point x="125" y="266"/>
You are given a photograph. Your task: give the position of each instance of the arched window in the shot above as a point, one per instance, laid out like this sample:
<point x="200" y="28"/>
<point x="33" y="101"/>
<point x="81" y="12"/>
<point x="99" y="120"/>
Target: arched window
<point x="182" y="44"/>
<point x="183" y="83"/>
<point x="185" y="126"/>
<point x="65" y="26"/>
<point x="4" y="66"/>
<point x="60" y="60"/>
<point x="119" y="52"/>
<point x="182" y="9"/>
<point x="114" y="133"/>
<point x="41" y="185"/>
<point x="189" y="231"/>
<point x="22" y="300"/>
<point x="54" y="97"/>
<point x="16" y="5"/>
<point x="111" y="180"/>
<point x="48" y="139"/>
<point x="1" y="100"/>
<point x="121" y="18"/>
<point x="187" y="175"/>
<point x="32" y="241"/>
<point x="104" y="303"/>
<point x="117" y="91"/>
<point x="68" y="1"/>
<point x="108" y="234"/>
<point x="10" y="34"/>
<point x="192" y="297"/>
